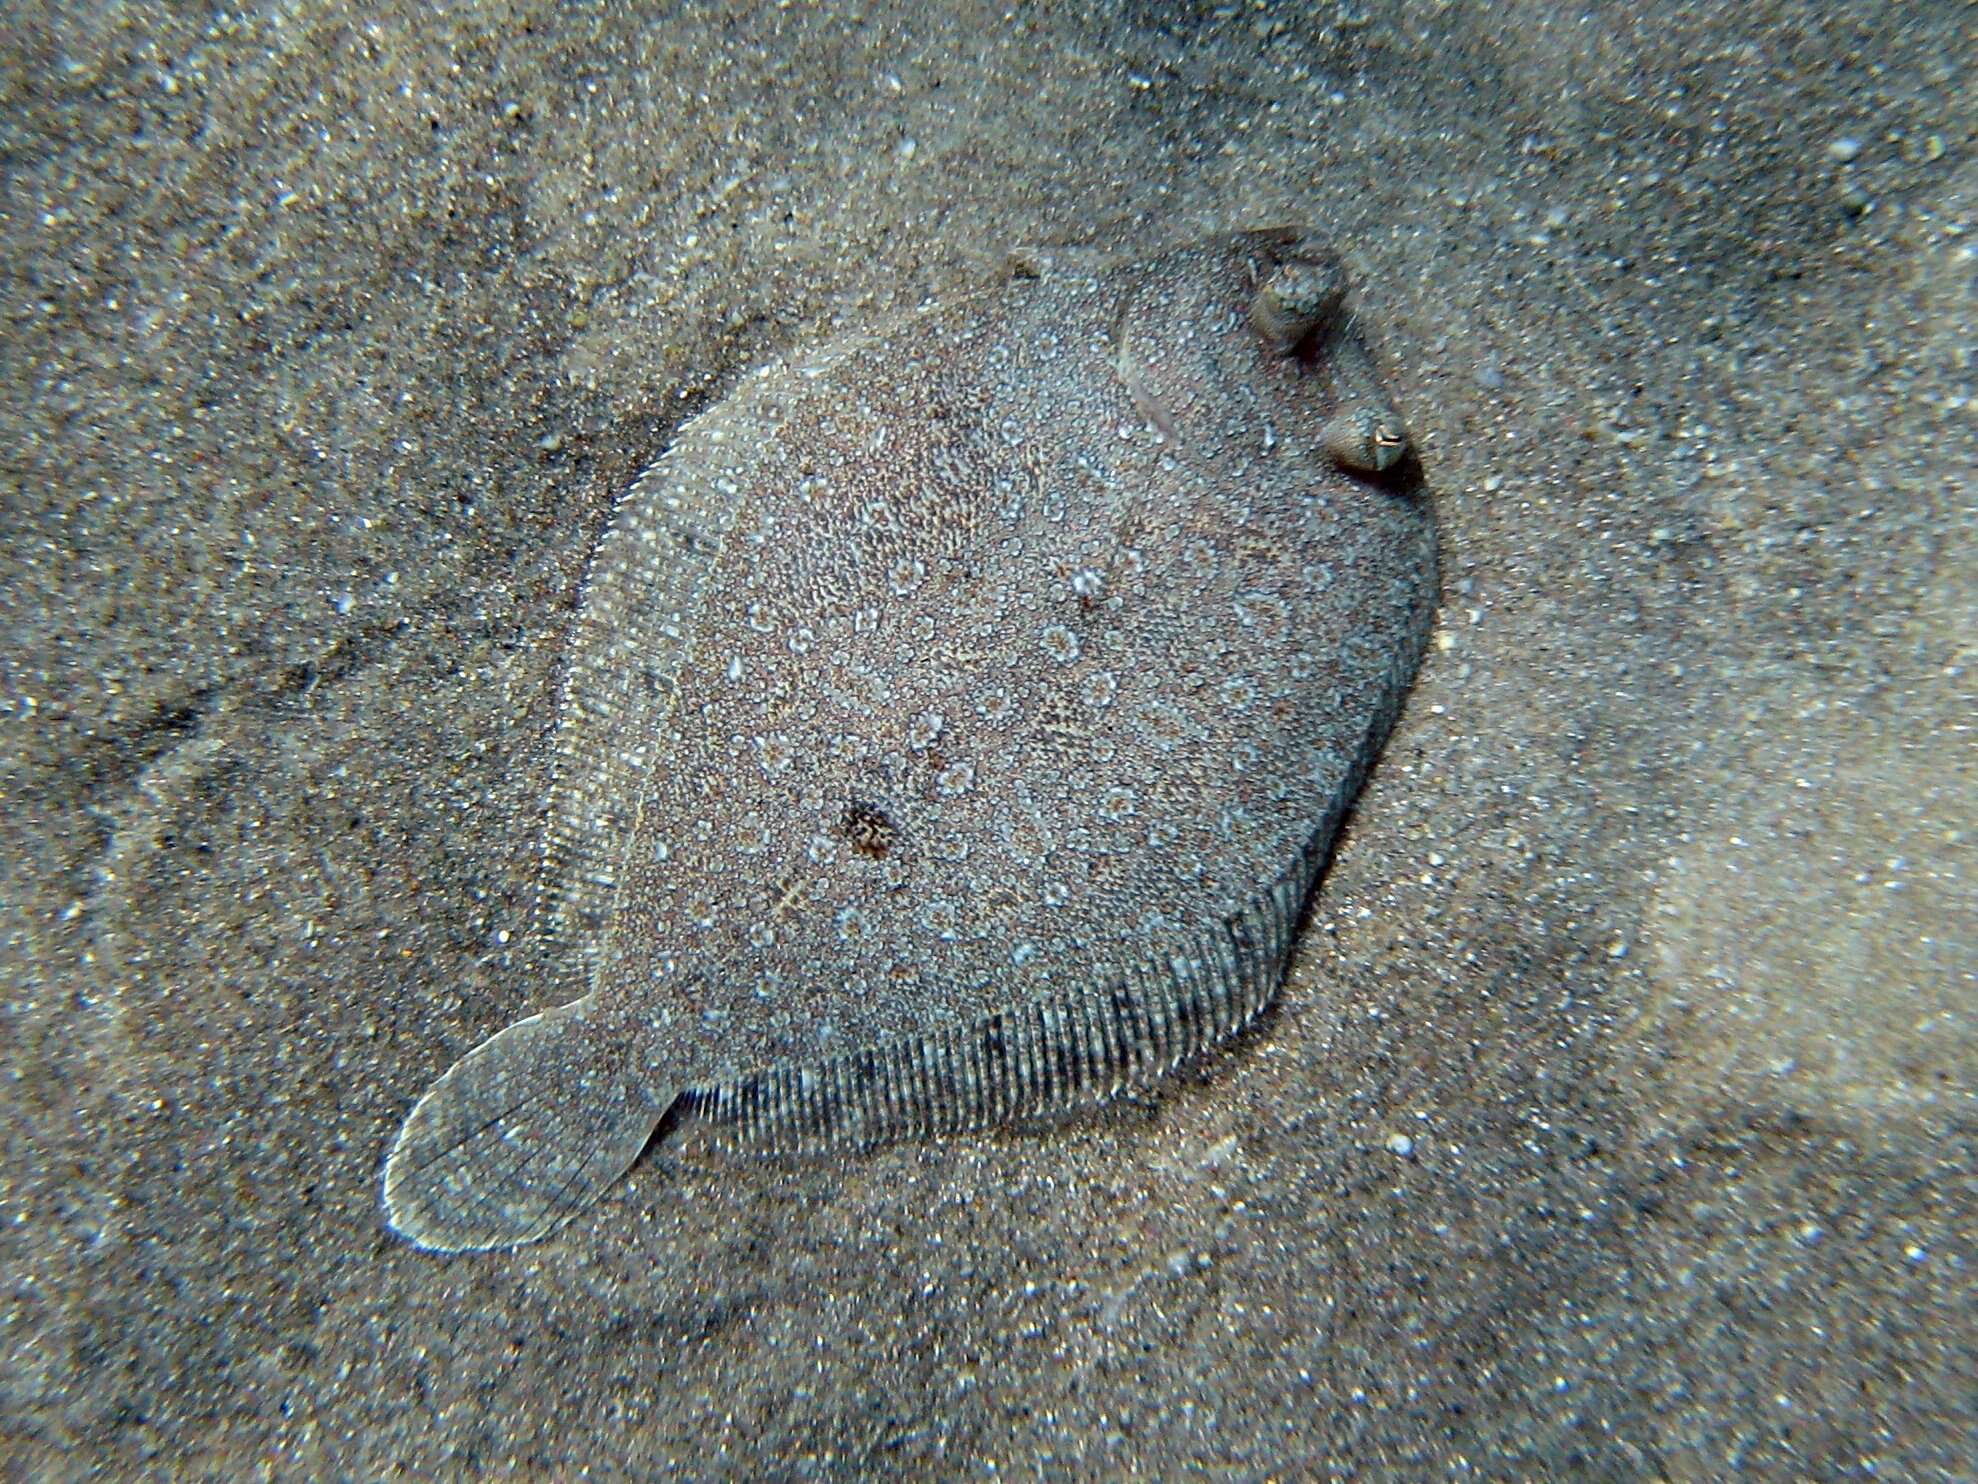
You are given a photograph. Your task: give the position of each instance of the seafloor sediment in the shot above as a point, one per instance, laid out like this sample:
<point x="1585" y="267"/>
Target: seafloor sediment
<point x="1617" y="1118"/>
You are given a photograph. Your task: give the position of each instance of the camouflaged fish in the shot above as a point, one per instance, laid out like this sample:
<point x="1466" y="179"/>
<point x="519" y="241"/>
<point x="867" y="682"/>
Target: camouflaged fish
<point x="956" y="722"/>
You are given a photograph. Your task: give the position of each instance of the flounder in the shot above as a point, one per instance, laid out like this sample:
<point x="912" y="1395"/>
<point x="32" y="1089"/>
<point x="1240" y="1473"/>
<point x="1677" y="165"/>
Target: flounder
<point x="955" y="723"/>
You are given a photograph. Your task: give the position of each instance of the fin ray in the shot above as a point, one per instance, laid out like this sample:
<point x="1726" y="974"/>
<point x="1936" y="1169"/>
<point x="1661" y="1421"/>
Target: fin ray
<point x="642" y="602"/>
<point x="1039" y="1058"/>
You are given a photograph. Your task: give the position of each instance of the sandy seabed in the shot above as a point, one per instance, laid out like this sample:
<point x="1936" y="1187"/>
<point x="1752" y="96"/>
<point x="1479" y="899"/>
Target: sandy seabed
<point x="1617" y="1119"/>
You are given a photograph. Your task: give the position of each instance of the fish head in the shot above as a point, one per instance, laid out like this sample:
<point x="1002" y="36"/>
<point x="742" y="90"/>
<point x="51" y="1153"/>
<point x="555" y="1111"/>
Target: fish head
<point x="1244" y="345"/>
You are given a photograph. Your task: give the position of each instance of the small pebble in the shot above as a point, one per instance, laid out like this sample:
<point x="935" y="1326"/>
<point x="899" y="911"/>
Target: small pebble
<point x="1844" y="150"/>
<point x="1400" y="1145"/>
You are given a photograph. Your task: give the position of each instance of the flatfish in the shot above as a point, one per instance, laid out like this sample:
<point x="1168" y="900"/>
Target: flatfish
<point x="956" y="721"/>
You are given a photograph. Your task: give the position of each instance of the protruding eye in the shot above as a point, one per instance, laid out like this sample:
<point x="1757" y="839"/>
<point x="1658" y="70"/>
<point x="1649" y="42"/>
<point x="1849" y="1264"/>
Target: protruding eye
<point x="1367" y="440"/>
<point x="1296" y="301"/>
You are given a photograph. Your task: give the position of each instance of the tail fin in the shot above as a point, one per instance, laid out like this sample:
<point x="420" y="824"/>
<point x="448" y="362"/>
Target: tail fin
<point x="521" y="1133"/>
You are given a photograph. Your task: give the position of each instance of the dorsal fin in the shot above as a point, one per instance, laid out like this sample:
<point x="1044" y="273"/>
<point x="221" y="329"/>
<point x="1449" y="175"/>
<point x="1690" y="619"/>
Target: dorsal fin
<point x="634" y="629"/>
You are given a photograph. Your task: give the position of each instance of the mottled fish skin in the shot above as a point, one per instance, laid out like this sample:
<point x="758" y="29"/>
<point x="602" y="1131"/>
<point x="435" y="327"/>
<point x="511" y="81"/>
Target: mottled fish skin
<point x="956" y="722"/>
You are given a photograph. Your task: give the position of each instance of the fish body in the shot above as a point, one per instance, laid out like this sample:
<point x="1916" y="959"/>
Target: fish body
<point x="955" y="724"/>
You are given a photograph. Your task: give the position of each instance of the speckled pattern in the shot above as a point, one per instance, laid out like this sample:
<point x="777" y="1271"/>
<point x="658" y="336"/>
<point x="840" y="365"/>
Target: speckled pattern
<point x="1617" y="1116"/>
<point x="956" y="720"/>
